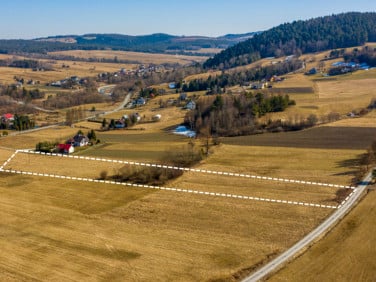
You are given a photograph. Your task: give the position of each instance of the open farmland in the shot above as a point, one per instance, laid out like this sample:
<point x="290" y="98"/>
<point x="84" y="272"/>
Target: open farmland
<point x="30" y="139"/>
<point x="84" y="234"/>
<point x="105" y="227"/>
<point x="327" y="137"/>
<point x="59" y="229"/>
<point x="349" y="243"/>
<point x="103" y="230"/>
<point x="82" y="69"/>
<point x="133" y="57"/>
<point x="189" y="237"/>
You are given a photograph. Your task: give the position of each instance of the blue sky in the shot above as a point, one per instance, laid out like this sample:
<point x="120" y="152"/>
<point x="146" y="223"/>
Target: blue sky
<point x="39" y="18"/>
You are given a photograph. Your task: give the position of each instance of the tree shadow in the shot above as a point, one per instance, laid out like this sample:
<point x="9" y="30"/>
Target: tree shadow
<point x="350" y="163"/>
<point x="351" y="166"/>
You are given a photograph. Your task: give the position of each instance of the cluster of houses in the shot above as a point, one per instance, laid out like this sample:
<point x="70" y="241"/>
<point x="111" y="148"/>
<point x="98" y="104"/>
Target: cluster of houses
<point x="343" y="67"/>
<point x="266" y="83"/>
<point x="20" y="82"/>
<point x="140" y="71"/>
<point x="69" y="82"/>
<point x="79" y="140"/>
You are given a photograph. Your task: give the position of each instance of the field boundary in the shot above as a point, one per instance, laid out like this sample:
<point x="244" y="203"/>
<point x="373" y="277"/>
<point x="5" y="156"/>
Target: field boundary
<point x="215" y="194"/>
<point x="258" y="177"/>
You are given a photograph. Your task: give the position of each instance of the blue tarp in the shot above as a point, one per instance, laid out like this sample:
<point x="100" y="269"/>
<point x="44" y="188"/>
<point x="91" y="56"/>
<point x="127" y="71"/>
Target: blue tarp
<point x="183" y="130"/>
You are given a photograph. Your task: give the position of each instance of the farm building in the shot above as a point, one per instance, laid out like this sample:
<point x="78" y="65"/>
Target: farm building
<point x="65" y="148"/>
<point x="79" y="140"/>
<point x="191" y="105"/>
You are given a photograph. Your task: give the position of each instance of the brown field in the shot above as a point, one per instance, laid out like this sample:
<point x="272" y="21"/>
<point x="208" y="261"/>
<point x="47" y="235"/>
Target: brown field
<point x="118" y="233"/>
<point x="347" y="253"/>
<point x="66" y="230"/>
<point x="139" y="57"/>
<point x="342" y="94"/>
<point x="30" y="139"/>
<point x="325" y="137"/>
<point x="207" y="50"/>
<point x="55" y="229"/>
<point x="81" y="69"/>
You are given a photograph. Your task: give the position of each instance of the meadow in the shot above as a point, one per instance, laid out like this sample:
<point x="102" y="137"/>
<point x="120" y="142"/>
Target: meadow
<point x="350" y="243"/>
<point x="74" y="230"/>
<point x="58" y="72"/>
<point x="139" y="57"/>
<point x="117" y="233"/>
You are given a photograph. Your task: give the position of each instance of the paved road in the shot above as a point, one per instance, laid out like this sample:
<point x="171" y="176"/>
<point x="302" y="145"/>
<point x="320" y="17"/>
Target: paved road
<point x="122" y="105"/>
<point x="288" y="255"/>
<point x="12" y="132"/>
<point x="117" y="109"/>
<point x="34" y="106"/>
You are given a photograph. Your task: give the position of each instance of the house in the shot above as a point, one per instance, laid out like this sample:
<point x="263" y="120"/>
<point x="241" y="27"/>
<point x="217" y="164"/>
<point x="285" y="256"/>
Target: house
<point x="79" y="140"/>
<point x="136" y="117"/>
<point x="183" y="96"/>
<point x="156" y="117"/>
<point x="56" y="83"/>
<point x="139" y="102"/>
<point x="311" y="71"/>
<point x="276" y="78"/>
<point x="65" y="148"/>
<point x="191" y="105"/>
<point x="8" y="117"/>
<point x="260" y="85"/>
<point x="172" y="85"/>
<point x="120" y="123"/>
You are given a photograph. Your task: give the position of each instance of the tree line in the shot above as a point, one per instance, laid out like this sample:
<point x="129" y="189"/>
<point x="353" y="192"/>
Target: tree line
<point x="227" y="79"/>
<point x="318" y="34"/>
<point x="21" y="93"/>
<point x="231" y="115"/>
<point x="362" y="55"/>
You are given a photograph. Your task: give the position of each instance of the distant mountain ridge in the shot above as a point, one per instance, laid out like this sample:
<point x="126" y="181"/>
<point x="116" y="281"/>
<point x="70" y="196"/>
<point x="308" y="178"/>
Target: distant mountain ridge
<point x="155" y="43"/>
<point x="318" y="34"/>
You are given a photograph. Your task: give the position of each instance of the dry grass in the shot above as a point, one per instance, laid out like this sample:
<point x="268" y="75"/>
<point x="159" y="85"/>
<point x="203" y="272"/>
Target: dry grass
<point x="66" y="230"/>
<point x="142" y="58"/>
<point x="30" y="139"/>
<point x="347" y="253"/>
<point x="81" y="69"/>
<point x="61" y="230"/>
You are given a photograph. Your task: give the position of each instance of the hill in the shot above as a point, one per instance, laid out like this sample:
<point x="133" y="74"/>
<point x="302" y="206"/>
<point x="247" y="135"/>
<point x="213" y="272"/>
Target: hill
<point x="318" y="34"/>
<point x="154" y="43"/>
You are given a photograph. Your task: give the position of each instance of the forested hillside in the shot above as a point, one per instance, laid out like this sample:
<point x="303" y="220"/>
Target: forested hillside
<point x="318" y="34"/>
<point x="154" y="43"/>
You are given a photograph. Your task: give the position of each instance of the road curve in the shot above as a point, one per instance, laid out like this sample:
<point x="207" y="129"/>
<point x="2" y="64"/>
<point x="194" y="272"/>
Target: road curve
<point x="322" y="229"/>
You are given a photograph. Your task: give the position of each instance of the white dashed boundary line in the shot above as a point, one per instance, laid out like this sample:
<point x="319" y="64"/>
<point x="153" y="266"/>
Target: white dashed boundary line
<point x="267" y="178"/>
<point x="347" y="198"/>
<point x="189" y="191"/>
<point x="8" y="160"/>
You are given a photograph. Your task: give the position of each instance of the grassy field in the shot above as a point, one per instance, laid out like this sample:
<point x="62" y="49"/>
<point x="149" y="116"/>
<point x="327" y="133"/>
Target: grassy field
<point x="327" y="137"/>
<point x="81" y="69"/>
<point x="55" y="229"/>
<point x="67" y="230"/>
<point x="30" y="139"/>
<point x="142" y="58"/>
<point x="347" y="253"/>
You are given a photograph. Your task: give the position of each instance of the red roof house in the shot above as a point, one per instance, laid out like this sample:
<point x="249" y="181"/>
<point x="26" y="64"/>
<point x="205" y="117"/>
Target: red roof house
<point x="65" y="148"/>
<point x="8" y="116"/>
